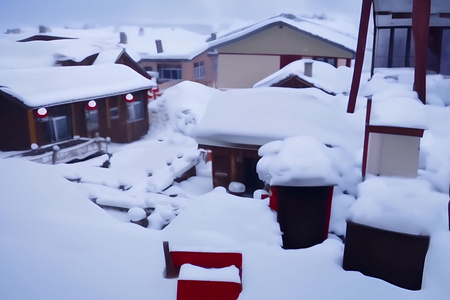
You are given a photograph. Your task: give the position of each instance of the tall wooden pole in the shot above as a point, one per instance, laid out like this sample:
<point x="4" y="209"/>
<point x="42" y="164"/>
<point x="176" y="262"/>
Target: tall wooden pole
<point x="420" y="28"/>
<point x="360" y="49"/>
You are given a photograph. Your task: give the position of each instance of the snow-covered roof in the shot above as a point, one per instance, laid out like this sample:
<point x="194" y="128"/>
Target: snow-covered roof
<point x="24" y="33"/>
<point x="177" y="43"/>
<point x="324" y="76"/>
<point x="319" y="28"/>
<point x="258" y="116"/>
<point x="56" y="85"/>
<point x="38" y="54"/>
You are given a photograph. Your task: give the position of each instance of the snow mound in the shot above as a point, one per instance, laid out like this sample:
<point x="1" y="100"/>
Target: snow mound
<point x="297" y="161"/>
<point x="402" y="205"/>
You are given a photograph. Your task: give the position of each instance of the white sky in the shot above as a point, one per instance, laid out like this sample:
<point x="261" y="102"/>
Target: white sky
<point x="16" y="13"/>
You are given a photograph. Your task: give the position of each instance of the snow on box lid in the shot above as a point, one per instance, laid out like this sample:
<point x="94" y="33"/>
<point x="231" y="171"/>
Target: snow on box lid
<point x="297" y="161"/>
<point x="395" y="104"/>
<point x="191" y="272"/>
<point x="398" y="204"/>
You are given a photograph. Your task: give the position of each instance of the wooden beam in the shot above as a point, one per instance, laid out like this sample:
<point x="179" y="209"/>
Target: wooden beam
<point x="32" y="127"/>
<point x="360" y="49"/>
<point x="420" y="28"/>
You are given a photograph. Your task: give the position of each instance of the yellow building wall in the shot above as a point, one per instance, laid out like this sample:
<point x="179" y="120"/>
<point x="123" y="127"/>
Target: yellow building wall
<point x="243" y="71"/>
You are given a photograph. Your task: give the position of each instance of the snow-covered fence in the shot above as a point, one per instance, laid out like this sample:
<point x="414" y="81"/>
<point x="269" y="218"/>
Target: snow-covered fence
<point x="78" y="148"/>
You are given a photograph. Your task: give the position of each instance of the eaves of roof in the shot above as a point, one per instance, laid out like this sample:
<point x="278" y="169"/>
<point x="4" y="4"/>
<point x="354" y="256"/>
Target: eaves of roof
<point x="247" y="32"/>
<point x="20" y="101"/>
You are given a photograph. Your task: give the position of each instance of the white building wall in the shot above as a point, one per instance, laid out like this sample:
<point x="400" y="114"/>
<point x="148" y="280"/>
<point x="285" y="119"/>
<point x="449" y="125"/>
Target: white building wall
<point x="393" y="155"/>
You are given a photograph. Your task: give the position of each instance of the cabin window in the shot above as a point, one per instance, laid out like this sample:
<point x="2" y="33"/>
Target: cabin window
<point x="445" y="56"/>
<point x="135" y="111"/>
<point x="57" y="128"/>
<point x="91" y="119"/>
<point x="114" y="113"/>
<point x="394" y="47"/>
<point x="331" y="60"/>
<point x="60" y="128"/>
<point x="400" y="48"/>
<point x="169" y="72"/>
<point x="199" y="70"/>
<point x="382" y="47"/>
<point x="439" y="50"/>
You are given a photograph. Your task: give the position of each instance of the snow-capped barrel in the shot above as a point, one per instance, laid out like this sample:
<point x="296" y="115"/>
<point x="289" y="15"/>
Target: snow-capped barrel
<point x="389" y="228"/>
<point x="302" y="175"/>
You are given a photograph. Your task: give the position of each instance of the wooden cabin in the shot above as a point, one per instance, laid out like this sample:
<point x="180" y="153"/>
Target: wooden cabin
<point x="47" y="105"/>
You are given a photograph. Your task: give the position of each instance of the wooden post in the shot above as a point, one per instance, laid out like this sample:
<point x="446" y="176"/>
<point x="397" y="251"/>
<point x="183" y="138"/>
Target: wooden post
<point x="366" y="139"/>
<point x="171" y="271"/>
<point x="32" y="127"/>
<point x="360" y="49"/>
<point x="55" y="154"/>
<point x="420" y="28"/>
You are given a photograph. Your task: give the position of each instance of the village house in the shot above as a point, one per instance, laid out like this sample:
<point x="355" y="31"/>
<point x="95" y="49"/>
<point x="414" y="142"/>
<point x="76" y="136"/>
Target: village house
<point x="171" y="54"/>
<point x="247" y="55"/>
<point x="237" y="58"/>
<point x="48" y="105"/>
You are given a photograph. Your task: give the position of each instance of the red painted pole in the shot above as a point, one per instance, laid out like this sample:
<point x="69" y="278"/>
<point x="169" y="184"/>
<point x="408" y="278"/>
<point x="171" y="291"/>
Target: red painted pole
<point x="360" y="49"/>
<point x="420" y="28"/>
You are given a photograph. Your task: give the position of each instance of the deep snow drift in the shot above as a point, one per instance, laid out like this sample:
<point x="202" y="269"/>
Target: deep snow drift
<point x="56" y="243"/>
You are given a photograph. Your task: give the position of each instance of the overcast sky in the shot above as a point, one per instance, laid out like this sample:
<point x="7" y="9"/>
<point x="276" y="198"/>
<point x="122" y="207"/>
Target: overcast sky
<point x="17" y="13"/>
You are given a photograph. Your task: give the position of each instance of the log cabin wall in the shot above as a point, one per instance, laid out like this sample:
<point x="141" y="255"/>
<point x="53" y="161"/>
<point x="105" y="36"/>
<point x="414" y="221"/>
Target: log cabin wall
<point x="14" y="126"/>
<point x="234" y="164"/>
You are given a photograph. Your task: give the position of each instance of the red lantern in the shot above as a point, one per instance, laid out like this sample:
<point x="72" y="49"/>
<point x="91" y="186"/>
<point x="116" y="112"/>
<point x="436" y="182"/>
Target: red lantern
<point x="129" y="98"/>
<point x="91" y="105"/>
<point x="42" y="112"/>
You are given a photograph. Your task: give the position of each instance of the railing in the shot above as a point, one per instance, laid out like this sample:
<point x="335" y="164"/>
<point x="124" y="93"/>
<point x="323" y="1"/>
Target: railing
<point x="62" y="153"/>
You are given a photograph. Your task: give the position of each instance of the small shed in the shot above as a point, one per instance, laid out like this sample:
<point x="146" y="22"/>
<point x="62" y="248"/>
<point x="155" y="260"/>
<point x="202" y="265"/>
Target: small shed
<point x="307" y="73"/>
<point x="236" y="123"/>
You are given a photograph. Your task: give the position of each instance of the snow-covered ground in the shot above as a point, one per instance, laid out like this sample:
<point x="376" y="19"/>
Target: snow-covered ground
<point x="56" y="243"/>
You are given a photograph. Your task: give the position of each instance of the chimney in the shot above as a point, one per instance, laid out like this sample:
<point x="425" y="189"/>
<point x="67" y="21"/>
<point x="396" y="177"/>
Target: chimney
<point x="159" y="47"/>
<point x="212" y="37"/>
<point x="123" y="38"/>
<point x="308" y="68"/>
